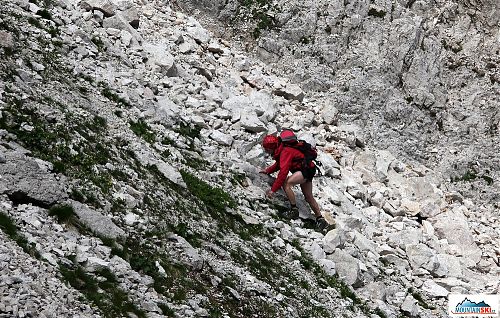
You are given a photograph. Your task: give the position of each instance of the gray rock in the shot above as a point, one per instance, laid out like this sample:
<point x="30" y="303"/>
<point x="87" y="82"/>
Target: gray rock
<point x="433" y="289"/>
<point x="420" y="256"/>
<point x="410" y="306"/>
<point x="251" y="122"/>
<point x="290" y="92"/>
<point x="347" y="267"/>
<point x="105" y="6"/>
<point x="453" y="226"/>
<point x="96" y="221"/>
<point x="334" y="239"/>
<point x="6" y="39"/>
<point x="330" y="115"/>
<point x="24" y="180"/>
<point x="221" y="138"/>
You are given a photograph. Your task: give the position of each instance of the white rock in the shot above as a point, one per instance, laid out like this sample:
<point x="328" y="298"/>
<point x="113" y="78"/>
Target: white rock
<point x="433" y="289"/>
<point x="221" y="138"/>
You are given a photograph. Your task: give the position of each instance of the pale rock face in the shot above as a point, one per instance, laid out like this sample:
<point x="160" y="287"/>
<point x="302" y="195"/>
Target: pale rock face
<point x="372" y="104"/>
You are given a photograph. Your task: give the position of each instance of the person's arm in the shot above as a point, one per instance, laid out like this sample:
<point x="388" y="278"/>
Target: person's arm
<point x="273" y="168"/>
<point x="284" y="164"/>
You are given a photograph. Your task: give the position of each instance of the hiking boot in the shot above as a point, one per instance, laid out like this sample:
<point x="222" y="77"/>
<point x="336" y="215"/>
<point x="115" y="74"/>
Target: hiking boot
<point x="293" y="213"/>
<point x="322" y="225"/>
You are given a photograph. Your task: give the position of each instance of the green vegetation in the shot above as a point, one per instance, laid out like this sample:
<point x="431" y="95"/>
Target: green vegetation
<point x="142" y="130"/>
<point x="34" y="22"/>
<point x="63" y="213"/>
<point x="99" y="44"/>
<point x="239" y="179"/>
<point x="179" y="280"/>
<point x="217" y="202"/>
<point x="73" y="144"/>
<point x="112" y="96"/>
<point x="195" y="162"/>
<point x="215" y="199"/>
<point x="262" y="12"/>
<point x="326" y="280"/>
<point x="45" y="14"/>
<point x="470" y="176"/>
<point x="9" y="228"/>
<point x="101" y="288"/>
<point x="376" y="13"/>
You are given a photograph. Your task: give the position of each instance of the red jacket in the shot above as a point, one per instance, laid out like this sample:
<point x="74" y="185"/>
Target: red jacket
<point x="287" y="159"/>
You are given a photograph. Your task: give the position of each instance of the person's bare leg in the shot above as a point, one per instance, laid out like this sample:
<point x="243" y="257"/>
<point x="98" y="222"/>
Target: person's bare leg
<point x="307" y="191"/>
<point x="291" y="181"/>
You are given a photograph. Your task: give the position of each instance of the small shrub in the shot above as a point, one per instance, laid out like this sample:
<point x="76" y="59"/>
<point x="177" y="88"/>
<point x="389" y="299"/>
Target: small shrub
<point x="45" y="14"/>
<point x="376" y="13"/>
<point x="99" y="44"/>
<point x="166" y="310"/>
<point x="186" y="130"/>
<point x="35" y="22"/>
<point x="142" y="129"/>
<point x="63" y="213"/>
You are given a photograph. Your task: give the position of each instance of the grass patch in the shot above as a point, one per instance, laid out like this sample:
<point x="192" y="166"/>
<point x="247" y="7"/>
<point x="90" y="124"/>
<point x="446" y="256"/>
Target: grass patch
<point x="63" y="213"/>
<point x="182" y="229"/>
<point x="112" y="96"/>
<point x="194" y="161"/>
<point x="471" y="176"/>
<point x="177" y="284"/>
<point x="188" y="131"/>
<point x="142" y="130"/>
<point x="99" y="44"/>
<point x="74" y="144"/>
<point x="262" y="12"/>
<point x="215" y="199"/>
<point x="10" y="229"/>
<point x="325" y="280"/>
<point x="101" y="288"/>
<point x="45" y="14"/>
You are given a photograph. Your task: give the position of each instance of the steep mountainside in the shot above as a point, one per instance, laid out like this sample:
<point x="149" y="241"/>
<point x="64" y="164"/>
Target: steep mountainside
<point x="129" y="185"/>
<point x="422" y="78"/>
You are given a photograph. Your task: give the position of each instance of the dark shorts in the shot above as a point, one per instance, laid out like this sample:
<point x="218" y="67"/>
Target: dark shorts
<point x="309" y="173"/>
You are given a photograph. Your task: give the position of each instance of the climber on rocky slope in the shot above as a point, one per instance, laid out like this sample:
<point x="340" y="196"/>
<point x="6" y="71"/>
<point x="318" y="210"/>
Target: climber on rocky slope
<point x="289" y="158"/>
